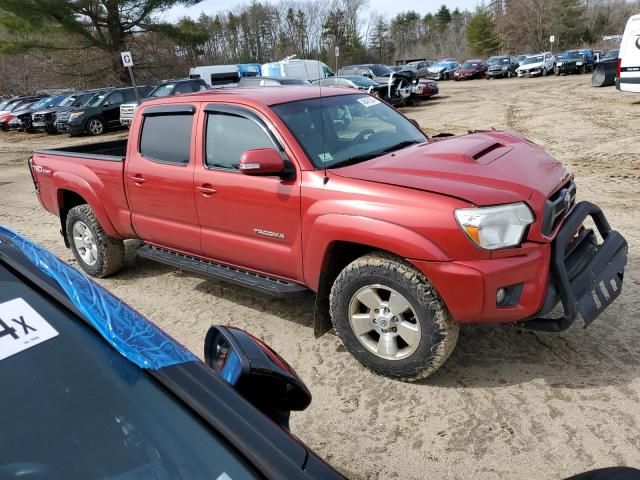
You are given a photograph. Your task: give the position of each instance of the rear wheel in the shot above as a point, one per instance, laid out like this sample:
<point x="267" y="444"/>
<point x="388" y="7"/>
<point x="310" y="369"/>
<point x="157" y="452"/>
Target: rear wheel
<point x="96" y="252"/>
<point x="390" y="318"/>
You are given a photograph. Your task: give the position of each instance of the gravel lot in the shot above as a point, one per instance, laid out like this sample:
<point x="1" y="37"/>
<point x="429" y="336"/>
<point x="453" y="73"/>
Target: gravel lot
<point x="508" y="403"/>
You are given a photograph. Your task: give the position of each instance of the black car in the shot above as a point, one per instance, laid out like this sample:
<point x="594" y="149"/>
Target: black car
<point x="104" y="393"/>
<point x="502" y="67"/>
<point x="99" y="113"/>
<point x="45" y="119"/>
<point x="270" y="81"/>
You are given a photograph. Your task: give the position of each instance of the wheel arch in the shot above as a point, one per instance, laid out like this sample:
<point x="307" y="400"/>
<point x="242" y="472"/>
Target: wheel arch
<point x="328" y="253"/>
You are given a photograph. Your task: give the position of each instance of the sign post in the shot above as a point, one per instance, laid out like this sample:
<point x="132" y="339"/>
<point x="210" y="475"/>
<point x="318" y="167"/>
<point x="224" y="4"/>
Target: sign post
<point x="552" y="40"/>
<point x="337" y="55"/>
<point x="127" y="61"/>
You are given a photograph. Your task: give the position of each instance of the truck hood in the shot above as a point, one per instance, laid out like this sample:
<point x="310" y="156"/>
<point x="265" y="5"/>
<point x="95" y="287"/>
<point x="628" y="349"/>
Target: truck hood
<point x="488" y="168"/>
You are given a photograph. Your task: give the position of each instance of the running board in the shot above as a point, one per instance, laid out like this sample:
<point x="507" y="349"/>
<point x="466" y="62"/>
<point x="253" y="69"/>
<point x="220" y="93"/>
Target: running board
<point x="245" y="278"/>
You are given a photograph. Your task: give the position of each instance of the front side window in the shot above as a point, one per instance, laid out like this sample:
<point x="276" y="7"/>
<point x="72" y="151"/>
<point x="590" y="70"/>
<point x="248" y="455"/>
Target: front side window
<point x="229" y="136"/>
<point x="167" y="138"/>
<point x="345" y="129"/>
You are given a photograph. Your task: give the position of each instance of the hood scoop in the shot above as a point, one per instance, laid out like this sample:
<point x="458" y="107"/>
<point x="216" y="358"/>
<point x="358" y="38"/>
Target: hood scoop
<point x="487" y="152"/>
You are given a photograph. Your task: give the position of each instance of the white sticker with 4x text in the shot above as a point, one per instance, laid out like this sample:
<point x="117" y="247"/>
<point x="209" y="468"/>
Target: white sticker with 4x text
<point x="21" y="327"/>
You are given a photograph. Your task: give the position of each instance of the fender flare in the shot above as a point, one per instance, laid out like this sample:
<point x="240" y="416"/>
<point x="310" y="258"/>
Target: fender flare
<point x="78" y="185"/>
<point x="366" y="231"/>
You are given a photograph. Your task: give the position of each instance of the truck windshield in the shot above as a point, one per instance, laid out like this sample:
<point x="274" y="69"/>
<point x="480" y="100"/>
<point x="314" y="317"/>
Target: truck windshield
<point x="340" y="130"/>
<point x="88" y="412"/>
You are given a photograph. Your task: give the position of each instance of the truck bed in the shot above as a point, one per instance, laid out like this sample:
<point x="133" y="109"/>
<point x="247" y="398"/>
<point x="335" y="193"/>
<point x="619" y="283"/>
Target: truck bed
<point x="113" y="150"/>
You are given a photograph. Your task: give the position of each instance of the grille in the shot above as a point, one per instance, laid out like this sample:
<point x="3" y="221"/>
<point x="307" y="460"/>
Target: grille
<point x="557" y="206"/>
<point x="127" y="110"/>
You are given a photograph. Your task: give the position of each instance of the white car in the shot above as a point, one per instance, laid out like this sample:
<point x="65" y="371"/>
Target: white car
<point x="541" y="64"/>
<point x="628" y="68"/>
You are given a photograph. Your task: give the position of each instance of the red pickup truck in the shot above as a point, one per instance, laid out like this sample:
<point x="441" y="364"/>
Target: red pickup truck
<point x="285" y="190"/>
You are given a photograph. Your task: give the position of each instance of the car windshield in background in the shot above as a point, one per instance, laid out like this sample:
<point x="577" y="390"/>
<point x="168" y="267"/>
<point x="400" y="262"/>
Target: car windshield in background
<point x="381" y="70"/>
<point x="345" y="129"/>
<point x="612" y="54"/>
<point x="498" y="61"/>
<point x="163" y="90"/>
<point x="536" y="59"/>
<point x="469" y="65"/>
<point x="84" y="100"/>
<point x="95" y="101"/>
<point x="94" y="414"/>
<point x="572" y="54"/>
<point x="68" y="101"/>
<point x="361" y="81"/>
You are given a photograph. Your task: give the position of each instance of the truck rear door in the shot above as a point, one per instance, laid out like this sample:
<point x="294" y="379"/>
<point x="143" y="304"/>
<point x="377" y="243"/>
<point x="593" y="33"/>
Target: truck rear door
<point x="159" y="177"/>
<point x="252" y="222"/>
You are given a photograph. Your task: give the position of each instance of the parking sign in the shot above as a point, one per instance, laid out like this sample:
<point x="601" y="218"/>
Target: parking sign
<point x="127" y="59"/>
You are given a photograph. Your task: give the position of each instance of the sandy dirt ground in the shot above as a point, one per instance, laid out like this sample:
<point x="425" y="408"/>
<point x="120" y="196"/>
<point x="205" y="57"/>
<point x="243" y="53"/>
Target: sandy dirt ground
<point x="508" y="404"/>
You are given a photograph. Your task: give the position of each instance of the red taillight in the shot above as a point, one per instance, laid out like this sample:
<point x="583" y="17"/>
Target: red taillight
<point x="618" y="67"/>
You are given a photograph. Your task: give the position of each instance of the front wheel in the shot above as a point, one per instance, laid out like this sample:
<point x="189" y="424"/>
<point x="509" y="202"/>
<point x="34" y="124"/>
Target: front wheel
<point x="96" y="252"/>
<point x="390" y="318"/>
<point x="95" y="126"/>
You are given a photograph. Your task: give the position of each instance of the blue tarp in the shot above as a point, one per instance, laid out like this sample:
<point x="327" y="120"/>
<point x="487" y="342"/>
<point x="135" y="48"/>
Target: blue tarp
<point x="130" y="333"/>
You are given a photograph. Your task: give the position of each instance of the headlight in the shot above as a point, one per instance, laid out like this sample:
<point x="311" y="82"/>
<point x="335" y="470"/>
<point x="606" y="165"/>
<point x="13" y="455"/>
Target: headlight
<point x="75" y="115"/>
<point x="578" y="63"/>
<point x="559" y="64"/>
<point x="495" y="227"/>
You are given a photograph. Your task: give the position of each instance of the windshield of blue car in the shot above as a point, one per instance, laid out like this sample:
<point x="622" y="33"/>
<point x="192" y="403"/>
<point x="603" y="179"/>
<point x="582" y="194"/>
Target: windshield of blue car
<point x="163" y="90"/>
<point x="75" y="408"/>
<point x="339" y="130"/>
<point x="68" y="101"/>
<point x="536" y="59"/>
<point x="41" y="103"/>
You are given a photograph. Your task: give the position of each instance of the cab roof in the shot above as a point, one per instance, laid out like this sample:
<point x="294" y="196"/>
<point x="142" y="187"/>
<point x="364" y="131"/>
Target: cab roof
<point x="271" y="95"/>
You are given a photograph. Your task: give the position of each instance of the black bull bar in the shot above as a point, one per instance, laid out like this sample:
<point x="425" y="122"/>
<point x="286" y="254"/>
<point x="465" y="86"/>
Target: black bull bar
<point x="586" y="277"/>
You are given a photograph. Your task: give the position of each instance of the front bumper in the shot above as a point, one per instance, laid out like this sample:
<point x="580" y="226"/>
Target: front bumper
<point x="530" y="73"/>
<point x="497" y="73"/>
<point x="70" y="127"/>
<point x="572" y="270"/>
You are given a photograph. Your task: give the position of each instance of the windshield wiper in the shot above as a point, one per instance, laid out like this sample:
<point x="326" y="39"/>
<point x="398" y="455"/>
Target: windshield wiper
<point x="377" y="153"/>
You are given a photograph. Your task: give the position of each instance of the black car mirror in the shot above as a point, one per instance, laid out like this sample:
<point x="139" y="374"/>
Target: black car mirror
<point x="257" y="372"/>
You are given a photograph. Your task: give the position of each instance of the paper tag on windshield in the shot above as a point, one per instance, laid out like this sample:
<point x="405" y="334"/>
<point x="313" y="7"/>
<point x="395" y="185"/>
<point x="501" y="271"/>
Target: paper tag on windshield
<point x="21" y="327"/>
<point x="368" y="101"/>
<point x="325" y="157"/>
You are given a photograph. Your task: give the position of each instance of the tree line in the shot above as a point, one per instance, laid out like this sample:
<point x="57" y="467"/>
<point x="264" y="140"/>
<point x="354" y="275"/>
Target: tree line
<point x="77" y="43"/>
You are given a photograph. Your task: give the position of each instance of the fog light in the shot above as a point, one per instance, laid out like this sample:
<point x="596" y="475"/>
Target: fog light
<point x="500" y="295"/>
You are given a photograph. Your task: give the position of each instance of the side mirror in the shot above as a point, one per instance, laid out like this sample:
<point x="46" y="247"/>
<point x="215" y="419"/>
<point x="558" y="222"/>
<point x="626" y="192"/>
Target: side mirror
<point x="257" y="372"/>
<point x="261" y="161"/>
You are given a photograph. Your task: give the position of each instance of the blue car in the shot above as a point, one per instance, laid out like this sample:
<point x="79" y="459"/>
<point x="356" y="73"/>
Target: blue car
<point x="92" y="389"/>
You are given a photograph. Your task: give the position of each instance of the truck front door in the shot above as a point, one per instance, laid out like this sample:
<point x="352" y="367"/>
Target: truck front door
<point x="159" y="177"/>
<point x="251" y="222"/>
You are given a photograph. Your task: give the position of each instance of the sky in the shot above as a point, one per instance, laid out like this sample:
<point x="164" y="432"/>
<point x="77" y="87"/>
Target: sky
<point x="389" y="8"/>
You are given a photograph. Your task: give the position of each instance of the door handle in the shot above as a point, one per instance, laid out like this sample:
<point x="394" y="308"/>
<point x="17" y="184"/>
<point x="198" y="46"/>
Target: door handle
<point x="137" y="178"/>
<point x="206" y="190"/>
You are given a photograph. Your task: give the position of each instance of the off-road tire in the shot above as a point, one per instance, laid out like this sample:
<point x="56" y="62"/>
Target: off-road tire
<point x="439" y="334"/>
<point x="110" y="255"/>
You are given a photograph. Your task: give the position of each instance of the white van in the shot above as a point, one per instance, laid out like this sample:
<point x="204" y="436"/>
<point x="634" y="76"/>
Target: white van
<point x="224" y="75"/>
<point x="292" y="67"/>
<point x="628" y="73"/>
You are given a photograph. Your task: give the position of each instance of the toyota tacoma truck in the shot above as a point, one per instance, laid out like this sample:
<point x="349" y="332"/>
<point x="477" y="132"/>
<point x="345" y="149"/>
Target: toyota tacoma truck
<point x="402" y="238"/>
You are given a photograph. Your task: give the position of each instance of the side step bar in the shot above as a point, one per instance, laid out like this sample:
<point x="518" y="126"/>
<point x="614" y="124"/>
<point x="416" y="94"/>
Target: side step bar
<point x="255" y="281"/>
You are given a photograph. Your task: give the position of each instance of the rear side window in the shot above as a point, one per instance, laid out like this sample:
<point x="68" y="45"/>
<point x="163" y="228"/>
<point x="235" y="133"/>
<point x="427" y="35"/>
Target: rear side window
<point x="229" y="136"/>
<point x="167" y="138"/>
